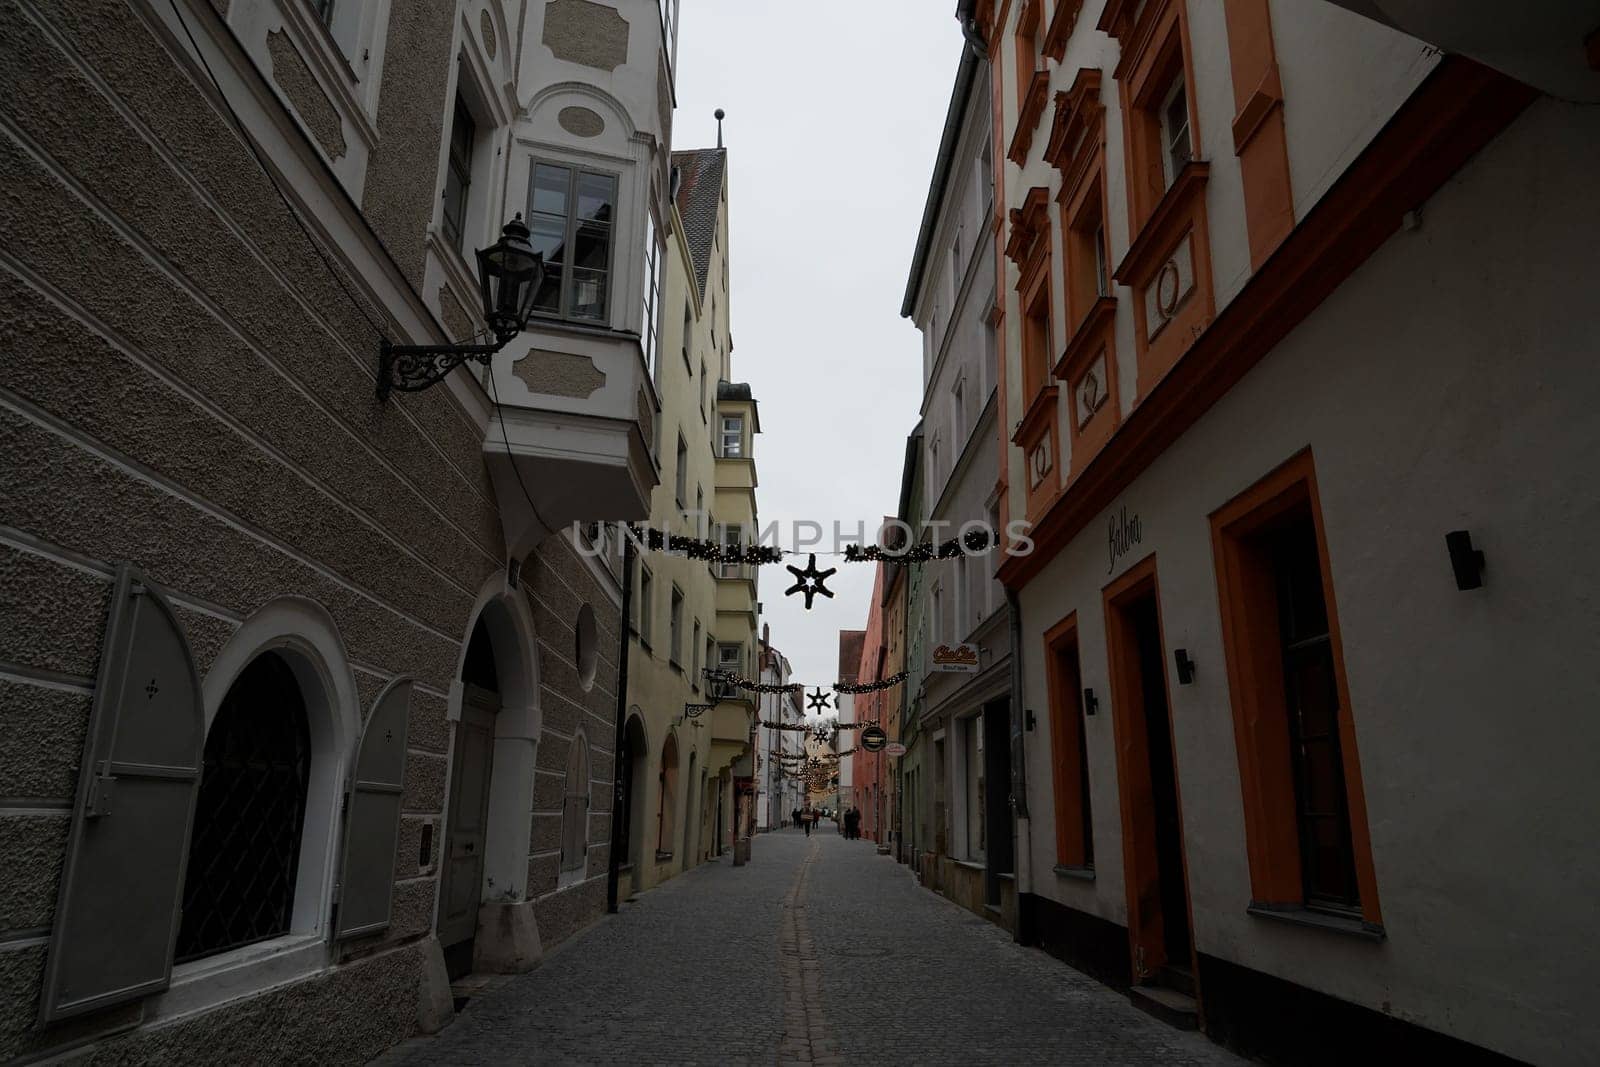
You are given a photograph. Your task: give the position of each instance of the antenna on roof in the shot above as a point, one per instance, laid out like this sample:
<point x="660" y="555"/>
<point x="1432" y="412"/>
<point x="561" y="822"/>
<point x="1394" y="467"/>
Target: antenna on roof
<point x="721" y="114"/>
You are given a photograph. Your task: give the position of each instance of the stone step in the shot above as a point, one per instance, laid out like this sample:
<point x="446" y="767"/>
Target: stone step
<point x="1170" y="1006"/>
<point x="1179" y="978"/>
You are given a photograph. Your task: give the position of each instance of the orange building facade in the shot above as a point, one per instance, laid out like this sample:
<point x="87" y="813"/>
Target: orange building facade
<point x="1288" y="302"/>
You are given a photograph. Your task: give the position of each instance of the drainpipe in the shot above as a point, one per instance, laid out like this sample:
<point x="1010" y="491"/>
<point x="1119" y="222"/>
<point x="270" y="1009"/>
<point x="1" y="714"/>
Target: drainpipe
<point x="1019" y="773"/>
<point x="966" y="15"/>
<point x="614" y="866"/>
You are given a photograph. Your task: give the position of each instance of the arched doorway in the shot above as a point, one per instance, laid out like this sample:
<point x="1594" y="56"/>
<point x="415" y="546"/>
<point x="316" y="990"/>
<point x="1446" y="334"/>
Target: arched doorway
<point x="630" y="798"/>
<point x="466" y="847"/>
<point x="667" y="799"/>
<point x="691" y="820"/>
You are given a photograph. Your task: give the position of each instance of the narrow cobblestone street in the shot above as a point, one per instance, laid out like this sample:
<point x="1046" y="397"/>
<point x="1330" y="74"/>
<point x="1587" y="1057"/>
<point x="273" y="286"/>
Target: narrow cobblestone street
<point x="819" y="951"/>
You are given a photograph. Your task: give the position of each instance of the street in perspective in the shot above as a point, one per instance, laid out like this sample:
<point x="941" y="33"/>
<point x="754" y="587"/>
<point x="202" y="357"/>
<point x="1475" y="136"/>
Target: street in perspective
<point x="1128" y="597"/>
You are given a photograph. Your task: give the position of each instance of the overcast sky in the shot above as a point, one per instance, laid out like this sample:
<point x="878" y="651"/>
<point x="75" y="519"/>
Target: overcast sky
<point x="835" y="108"/>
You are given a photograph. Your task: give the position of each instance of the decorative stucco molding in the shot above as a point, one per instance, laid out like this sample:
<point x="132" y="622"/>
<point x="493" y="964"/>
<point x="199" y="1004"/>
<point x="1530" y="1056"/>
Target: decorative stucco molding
<point x="559" y="374"/>
<point x="587" y="33"/>
<point x="300" y="88"/>
<point x="581" y="122"/>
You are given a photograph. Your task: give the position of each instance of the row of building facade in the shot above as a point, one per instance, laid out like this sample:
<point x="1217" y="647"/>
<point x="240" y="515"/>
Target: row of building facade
<point x="318" y="699"/>
<point x="1257" y="329"/>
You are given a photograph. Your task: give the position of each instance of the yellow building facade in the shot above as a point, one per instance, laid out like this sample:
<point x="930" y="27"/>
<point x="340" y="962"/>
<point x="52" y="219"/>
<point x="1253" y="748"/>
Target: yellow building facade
<point x="686" y="736"/>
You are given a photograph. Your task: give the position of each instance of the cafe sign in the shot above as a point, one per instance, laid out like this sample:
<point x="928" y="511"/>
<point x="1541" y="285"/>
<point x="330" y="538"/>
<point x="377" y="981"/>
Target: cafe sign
<point x="960" y="658"/>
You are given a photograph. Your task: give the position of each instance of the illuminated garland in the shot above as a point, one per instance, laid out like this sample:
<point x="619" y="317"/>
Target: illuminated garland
<point x="870" y="687"/>
<point x="729" y="678"/>
<point x="707" y="551"/>
<point x="971" y="541"/>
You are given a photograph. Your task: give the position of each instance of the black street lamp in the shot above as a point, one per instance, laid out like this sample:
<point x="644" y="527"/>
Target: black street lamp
<point x="510" y="273"/>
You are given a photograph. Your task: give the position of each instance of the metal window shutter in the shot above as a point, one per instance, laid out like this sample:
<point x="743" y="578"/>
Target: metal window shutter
<point x="372" y="825"/>
<point x="118" y="905"/>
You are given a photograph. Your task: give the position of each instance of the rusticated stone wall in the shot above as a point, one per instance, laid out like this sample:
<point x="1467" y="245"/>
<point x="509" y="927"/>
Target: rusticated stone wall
<point x="189" y="389"/>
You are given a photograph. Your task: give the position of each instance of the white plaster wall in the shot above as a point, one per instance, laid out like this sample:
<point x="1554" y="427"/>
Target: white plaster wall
<point x="1343" y="77"/>
<point x="1448" y="384"/>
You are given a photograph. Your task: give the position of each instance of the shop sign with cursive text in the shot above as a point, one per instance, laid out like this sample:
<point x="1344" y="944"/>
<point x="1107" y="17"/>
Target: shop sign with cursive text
<point x="1123" y="534"/>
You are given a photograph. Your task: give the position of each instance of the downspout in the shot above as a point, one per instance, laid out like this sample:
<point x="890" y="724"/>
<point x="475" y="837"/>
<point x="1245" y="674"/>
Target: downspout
<point x="614" y="864"/>
<point x="1019" y="774"/>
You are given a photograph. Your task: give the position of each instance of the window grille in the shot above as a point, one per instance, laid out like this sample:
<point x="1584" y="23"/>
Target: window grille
<point x="244" y="852"/>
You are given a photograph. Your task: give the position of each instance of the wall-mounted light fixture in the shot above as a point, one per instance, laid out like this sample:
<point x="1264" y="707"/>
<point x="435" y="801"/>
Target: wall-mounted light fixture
<point x="694" y="711"/>
<point x="1090" y="703"/>
<point x="1465" y="560"/>
<point x="1185" y="666"/>
<point x="510" y="273"/>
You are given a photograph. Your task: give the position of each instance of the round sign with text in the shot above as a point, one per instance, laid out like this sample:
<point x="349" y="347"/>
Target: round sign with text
<point x="873" y="739"/>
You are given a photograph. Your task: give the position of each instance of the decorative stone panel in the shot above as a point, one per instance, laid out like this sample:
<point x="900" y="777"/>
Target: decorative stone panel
<point x="582" y="32"/>
<point x="486" y="30"/>
<point x="559" y="374"/>
<point x="581" y="122"/>
<point x="300" y="87"/>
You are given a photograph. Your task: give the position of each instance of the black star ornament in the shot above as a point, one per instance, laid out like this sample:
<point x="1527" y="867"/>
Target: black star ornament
<point x="818" y="700"/>
<point x="810" y="581"/>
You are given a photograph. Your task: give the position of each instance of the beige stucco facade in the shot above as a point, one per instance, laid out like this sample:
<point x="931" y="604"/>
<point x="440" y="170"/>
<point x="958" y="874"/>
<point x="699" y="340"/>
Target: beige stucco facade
<point x="686" y="612"/>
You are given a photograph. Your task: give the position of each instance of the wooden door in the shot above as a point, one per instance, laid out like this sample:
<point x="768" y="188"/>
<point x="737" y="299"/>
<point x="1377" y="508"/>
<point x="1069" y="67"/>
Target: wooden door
<point x="469" y="811"/>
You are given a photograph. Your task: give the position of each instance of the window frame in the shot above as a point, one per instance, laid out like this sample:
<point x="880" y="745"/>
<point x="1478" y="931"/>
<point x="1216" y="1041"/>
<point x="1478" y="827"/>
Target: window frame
<point x="459" y="168"/>
<point x="1252" y="648"/>
<point x="646" y="591"/>
<point x="1170" y="164"/>
<point x="738" y="433"/>
<point x="655" y="280"/>
<point x="675" y="627"/>
<point x="574" y="171"/>
<point x="1069" y="749"/>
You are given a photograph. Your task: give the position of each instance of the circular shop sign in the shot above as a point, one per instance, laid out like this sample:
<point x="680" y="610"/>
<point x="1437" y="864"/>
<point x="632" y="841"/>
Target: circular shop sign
<point x="873" y="739"/>
<point x="895" y="749"/>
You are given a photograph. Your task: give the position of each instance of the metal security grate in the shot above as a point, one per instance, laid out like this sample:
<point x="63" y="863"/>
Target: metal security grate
<point x="245" y="849"/>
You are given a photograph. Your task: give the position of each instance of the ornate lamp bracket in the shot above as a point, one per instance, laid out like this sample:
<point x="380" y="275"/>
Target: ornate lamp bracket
<point x="413" y="368"/>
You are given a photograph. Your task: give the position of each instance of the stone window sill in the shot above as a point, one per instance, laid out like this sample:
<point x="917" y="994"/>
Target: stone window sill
<point x="1084" y="874"/>
<point x="206" y="983"/>
<point x="971" y="865"/>
<point x="1299" y="915"/>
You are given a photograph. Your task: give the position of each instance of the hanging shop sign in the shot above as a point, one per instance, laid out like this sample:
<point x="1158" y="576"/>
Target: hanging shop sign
<point x="873" y="739"/>
<point x="894" y="748"/>
<point x="962" y="659"/>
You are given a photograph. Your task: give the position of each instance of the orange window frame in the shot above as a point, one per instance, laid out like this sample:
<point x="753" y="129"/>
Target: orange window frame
<point x="1252" y="649"/>
<point x="1069" y="747"/>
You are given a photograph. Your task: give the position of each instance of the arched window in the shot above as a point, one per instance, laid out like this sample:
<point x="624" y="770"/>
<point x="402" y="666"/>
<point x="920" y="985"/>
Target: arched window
<point x="244" y="853"/>
<point x="575" y="812"/>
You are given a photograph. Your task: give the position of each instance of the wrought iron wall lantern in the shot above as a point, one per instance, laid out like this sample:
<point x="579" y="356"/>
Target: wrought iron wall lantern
<point x="510" y="274"/>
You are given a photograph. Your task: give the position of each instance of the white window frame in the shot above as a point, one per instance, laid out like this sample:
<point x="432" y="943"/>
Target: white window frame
<point x="731" y="427"/>
<point x="1172" y="136"/>
<point x="654" y="282"/>
<point x="576" y="170"/>
<point x="675" y="628"/>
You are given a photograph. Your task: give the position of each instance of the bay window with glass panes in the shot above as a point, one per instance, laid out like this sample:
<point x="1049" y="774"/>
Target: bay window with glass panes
<point x="732" y="436"/>
<point x="572" y="213"/>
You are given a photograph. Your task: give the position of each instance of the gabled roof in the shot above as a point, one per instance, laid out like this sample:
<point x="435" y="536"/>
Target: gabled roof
<point x="699" y="193"/>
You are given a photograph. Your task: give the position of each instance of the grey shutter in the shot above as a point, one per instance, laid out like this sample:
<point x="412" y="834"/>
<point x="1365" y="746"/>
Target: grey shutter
<point x="119" y="902"/>
<point x="372" y="825"/>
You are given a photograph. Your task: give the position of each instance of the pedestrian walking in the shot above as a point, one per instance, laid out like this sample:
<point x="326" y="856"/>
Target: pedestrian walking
<point x="806" y="822"/>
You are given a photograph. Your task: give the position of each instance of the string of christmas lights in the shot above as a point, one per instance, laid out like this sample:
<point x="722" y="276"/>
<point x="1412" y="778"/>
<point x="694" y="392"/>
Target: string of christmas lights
<point x="870" y="687"/>
<point x="971" y="541"/>
<point x="707" y="551"/>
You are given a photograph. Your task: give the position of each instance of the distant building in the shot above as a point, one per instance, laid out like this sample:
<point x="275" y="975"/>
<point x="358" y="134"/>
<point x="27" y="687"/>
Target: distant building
<point x="965" y="719"/>
<point x="779" y="794"/>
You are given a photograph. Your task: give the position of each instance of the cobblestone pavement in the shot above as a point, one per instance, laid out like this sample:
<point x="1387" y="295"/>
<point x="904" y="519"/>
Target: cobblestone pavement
<point x="819" y="951"/>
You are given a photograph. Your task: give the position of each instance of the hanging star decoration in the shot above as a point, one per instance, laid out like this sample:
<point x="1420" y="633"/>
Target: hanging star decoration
<point x="818" y="700"/>
<point x="810" y="581"/>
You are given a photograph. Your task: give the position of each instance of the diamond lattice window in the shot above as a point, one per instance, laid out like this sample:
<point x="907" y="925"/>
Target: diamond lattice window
<point x="244" y="852"/>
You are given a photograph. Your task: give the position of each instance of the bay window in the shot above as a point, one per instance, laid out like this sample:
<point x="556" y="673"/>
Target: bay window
<point x="571" y="213"/>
